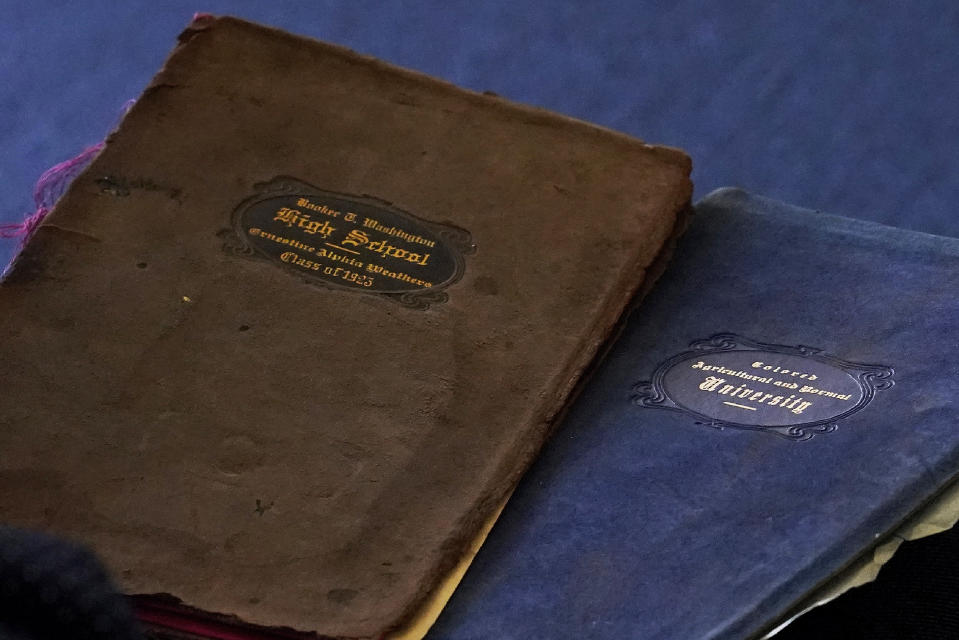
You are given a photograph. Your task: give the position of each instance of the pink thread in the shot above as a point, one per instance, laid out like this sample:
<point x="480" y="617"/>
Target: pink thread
<point x="151" y="610"/>
<point x="51" y="185"/>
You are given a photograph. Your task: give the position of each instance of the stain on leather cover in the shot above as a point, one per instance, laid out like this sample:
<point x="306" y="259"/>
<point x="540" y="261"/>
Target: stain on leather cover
<point x="273" y="447"/>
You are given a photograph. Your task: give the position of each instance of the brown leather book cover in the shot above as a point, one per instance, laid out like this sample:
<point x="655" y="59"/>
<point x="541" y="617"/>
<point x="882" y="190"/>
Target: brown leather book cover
<point x="293" y="336"/>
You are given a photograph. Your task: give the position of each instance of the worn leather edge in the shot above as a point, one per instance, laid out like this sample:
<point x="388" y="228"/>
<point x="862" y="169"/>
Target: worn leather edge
<point x="421" y="620"/>
<point x="630" y="282"/>
<point x="535" y="115"/>
<point x="636" y="279"/>
<point x="420" y="617"/>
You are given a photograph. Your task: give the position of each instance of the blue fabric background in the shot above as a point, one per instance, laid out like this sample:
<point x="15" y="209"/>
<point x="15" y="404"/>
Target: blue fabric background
<point x="847" y="107"/>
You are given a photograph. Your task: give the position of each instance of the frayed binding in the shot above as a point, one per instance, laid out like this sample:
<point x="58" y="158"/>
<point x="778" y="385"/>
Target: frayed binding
<point x="51" y="185"/>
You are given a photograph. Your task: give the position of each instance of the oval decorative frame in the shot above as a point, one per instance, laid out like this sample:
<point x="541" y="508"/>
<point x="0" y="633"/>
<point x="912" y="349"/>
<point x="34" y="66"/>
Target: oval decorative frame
<point x="870" y="378"/>
<point x="415" y="260"/>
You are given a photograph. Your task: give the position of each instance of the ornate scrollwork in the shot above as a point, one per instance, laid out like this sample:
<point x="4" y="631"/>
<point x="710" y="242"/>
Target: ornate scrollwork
<point x="869" y="377"/>
<point x="447" y="243"/>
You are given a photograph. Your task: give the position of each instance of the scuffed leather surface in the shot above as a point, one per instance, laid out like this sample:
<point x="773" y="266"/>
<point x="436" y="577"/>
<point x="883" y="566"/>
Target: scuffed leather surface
<point x="640" y="523"/>
<point x="226" y="433"/>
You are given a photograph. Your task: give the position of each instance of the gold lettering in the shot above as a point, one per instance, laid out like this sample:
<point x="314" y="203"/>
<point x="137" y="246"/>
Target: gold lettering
<point x="287" y="215"/>
<point x="319" y="208"/>
<point x="355" y="238"/>
<point x="314" y="227"/>
<point x="710" y="383"/>
<point x="802" y="406"/>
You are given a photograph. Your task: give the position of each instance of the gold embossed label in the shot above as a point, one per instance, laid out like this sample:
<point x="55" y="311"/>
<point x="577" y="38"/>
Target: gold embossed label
<point x="731" y="381"/>
<point x="351" y="243"/>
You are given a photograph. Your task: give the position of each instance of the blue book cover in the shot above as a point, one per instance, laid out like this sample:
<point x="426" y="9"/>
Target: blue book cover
<point x="783" y="398"/>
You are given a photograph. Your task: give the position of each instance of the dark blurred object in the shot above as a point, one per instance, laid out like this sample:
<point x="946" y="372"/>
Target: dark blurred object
<point x="52" y="589"/>
<point x="915" y="597"/>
